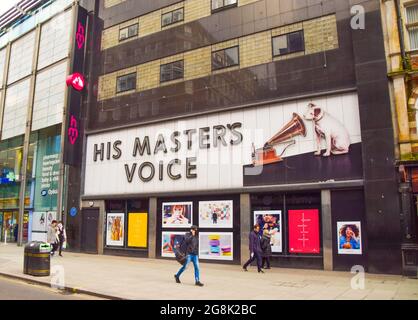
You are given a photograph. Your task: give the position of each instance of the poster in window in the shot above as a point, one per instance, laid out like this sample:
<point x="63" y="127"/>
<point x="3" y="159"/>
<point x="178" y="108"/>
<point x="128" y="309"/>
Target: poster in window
<point x="137" y="230"/>
<point x="271" y="221"/>
<point x="349" y="237"/>
<point x="304" y="231"/>
<point x="115" y="227"/>
<point x="216" y="214"/>
<point x="216" y="245"/>
<point x="177" y="214"/>
<point x="169" y="241"/>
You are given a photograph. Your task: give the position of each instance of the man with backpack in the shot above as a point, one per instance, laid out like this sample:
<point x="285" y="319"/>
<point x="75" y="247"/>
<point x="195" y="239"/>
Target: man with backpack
<point x="190" y="247"/>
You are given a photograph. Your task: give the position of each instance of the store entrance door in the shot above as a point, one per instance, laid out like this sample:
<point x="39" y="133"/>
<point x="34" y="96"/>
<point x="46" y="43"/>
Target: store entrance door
<point x="89" y="231"/>
<point x="8" y="226"/>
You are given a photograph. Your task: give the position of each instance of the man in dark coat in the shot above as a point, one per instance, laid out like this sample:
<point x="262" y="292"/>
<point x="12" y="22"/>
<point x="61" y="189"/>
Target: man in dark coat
<point x="255" y="249"/>
<point x="192" y="255"/>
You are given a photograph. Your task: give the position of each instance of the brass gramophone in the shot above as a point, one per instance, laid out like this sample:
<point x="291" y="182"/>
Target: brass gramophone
<point x="267" y="154"/>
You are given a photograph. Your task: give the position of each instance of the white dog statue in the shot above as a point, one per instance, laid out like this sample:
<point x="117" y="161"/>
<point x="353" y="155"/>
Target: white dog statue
<point x="335" y="134"/>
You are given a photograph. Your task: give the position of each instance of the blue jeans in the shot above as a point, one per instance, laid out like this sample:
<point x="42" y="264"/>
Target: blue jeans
<point x="195" y="259"/>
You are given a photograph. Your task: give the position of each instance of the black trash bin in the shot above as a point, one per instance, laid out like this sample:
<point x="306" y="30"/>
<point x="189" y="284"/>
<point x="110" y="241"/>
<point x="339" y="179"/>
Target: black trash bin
<point x="37" y="259"/>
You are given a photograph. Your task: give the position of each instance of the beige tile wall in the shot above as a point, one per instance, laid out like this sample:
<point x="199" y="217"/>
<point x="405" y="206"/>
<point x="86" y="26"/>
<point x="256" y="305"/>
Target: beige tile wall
<point x="320" y="34"/>
<point x="151" y="22"/>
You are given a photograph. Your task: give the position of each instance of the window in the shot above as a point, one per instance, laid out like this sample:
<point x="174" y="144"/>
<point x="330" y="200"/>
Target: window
<point x="128" y="32"/>
<point x="412" y="25"/>
<point x="288" y="43"/>
<point x="223" y="4"/>
<point x="225" y="58"/>
<point x="172" y="17"/>
<point x="126" y="83"/>
<point x="171" y="71"/>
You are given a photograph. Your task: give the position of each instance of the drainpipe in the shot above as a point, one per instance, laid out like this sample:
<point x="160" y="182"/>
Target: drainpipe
<point x="399" y="21"/>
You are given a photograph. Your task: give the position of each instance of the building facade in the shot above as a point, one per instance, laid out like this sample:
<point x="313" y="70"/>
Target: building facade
<point x="224" y="114"/>
<point x="400" y="19"/>
<point x="38" y="45"/>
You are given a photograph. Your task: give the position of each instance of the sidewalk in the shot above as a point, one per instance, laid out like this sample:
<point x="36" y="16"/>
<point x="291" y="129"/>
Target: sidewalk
<point x="134" y="278"/>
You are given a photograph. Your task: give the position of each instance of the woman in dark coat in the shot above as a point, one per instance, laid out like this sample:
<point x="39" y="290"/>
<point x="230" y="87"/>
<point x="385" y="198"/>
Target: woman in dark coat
<point x="266" y="247"/>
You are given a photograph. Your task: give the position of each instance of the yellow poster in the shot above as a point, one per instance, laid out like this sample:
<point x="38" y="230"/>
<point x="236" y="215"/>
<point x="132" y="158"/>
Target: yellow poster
<point x="137" y="230"/>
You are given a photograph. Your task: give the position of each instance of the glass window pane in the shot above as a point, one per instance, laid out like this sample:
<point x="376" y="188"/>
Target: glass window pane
<point x="296" y="42"/>
<point x="412" y="14"/>
<point x="133" y="31"/>
<point x="167" y="18"/>
<point x="280" y="45"/>
<point x="413" y="38"/>
<point x="216" y="4"/>
<point x="178" y="15"/>
<point x="123" y="34"/>
<point x="230" y="2"/>
<point x="126" y="83"/>
<point x="231" y="55"/>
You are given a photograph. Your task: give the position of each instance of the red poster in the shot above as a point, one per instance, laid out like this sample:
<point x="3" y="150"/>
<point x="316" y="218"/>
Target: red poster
<point x="304" y="231"/>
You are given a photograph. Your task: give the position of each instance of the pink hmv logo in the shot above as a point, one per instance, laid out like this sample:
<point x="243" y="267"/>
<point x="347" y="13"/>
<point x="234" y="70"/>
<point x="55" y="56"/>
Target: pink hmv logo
<point x="80" y="36"/>
<point x="73" y="130"/>
<point x="76" y="80"/>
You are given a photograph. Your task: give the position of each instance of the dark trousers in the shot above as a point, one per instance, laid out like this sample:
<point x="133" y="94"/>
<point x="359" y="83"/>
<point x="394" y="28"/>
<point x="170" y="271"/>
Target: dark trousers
<point x="54" y="247"/>
<point x="257" y="257"/>
<point x="266" y="262"/>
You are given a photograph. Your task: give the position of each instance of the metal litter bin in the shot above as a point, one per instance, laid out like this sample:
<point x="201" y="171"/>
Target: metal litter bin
<point x="37" y="259"/>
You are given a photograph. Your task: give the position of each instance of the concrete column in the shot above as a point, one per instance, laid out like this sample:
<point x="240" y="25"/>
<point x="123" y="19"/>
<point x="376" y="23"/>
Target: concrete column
<point x="245" y="220"/>
<point x="28" y="130"/>
<point x="152" y="228"/>
<point x="101" y="227"/>
<point x="327" y="229"/>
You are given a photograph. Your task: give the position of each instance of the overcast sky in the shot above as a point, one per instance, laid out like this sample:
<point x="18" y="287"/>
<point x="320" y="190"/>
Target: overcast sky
<point x="6" y="5"/>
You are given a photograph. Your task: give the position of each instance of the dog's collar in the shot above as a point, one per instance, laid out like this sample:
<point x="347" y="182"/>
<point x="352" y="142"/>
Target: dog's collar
<point x="320" y="116"/>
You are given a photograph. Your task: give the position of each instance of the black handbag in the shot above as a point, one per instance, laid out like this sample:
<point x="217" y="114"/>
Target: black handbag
<point x="180" y="257"/>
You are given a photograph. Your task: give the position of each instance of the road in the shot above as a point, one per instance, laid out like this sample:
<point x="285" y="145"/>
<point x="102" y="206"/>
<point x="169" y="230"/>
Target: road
<point x="19" y="290"/>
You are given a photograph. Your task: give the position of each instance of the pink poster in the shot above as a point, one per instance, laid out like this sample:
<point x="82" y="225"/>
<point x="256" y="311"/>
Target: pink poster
<point x="304" y="231"/>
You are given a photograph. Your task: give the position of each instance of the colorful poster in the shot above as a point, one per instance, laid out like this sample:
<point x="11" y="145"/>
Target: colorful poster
<point x="137" y="230"/>
<point x="177" y="214"/>
<point x="216" y="214"/>
<point x="349" y="237"/>
<point x="115" y="227"/>
<point x="169" y="241"/>
<point x="272" y="222"/>
<point x="304" y="231"/>
<point x="216" y="245"/>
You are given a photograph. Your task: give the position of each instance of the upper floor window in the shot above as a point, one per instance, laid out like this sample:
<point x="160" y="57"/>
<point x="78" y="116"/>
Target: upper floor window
<point x="126" y="83"/>
<point x="412" y="25"/>
<point x="128" y="32"/>
<point x="172" y="71"/>
<point x="172" y="17"/>
<point x="225" y="58"/>
<point x="288" y="43"/>
<point x="223" y="4"/>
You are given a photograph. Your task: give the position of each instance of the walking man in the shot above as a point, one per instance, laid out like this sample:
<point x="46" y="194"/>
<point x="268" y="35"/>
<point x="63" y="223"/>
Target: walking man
<point x="52" y="236"/>
<point x="192" y="255"/>
<point x="255" y="249"/>
<point x="62" y="236"/>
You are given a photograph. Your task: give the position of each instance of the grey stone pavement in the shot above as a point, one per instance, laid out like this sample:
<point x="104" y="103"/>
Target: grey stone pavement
<point x="142" y="279"/>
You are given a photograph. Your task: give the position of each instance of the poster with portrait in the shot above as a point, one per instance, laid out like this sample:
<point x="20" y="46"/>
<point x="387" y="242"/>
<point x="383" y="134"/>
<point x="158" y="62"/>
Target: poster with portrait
<point x="115" y="229"/>
<point x="349" y="237"/>
<point x="272" y="222"/>
<point x="304" y="231"/>
<point x="177" y="214"/>
<point x="39" y="220"/>
<point x="216" y="245"/>
<point x="216" y="214"/>
<point x="169" y="240"/>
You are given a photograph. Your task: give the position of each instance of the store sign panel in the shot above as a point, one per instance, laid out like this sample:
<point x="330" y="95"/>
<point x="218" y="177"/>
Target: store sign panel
<point x="220" y="151"/>
<point x="76" y="82"/>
